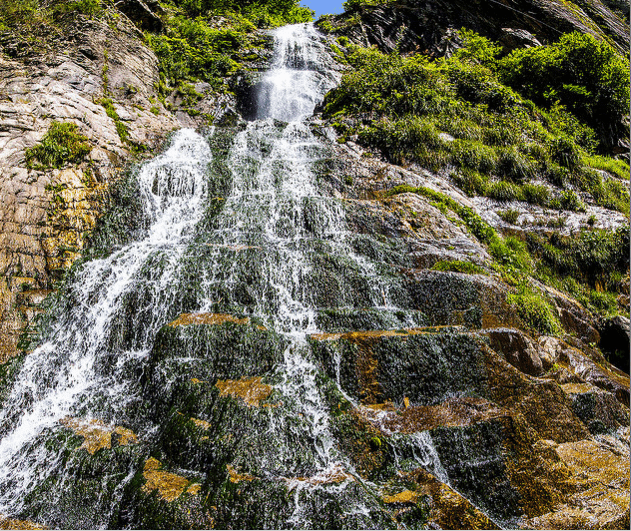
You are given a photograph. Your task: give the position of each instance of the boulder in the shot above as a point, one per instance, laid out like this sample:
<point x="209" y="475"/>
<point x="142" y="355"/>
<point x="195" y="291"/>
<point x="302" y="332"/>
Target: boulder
<point x="512" y="39"/>
<point x="518" y="349"/>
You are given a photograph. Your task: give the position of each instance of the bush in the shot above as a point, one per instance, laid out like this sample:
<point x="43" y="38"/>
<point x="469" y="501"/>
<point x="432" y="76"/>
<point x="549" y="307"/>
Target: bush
<point x="470" y="182"/>
<point x="61" y="145"/>
<point x="509" y="216"/>
<point x="503" y="191"/>
<point x="536" y="194"/>
<point x="593" y="256"/>
<point x="569" y="200"/>
<point x="583" y="74"/>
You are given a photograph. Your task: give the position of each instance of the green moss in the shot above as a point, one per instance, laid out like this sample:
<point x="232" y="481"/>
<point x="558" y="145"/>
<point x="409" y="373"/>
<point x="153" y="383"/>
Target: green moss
<point x="110" y="110"/>
<point x="61" y="145"/>
<point x="535" y="310"/>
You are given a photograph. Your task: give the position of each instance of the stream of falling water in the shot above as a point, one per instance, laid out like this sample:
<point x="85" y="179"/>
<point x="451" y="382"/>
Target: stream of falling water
<point x="61" y="377"/>
<point x="274" y="193"/>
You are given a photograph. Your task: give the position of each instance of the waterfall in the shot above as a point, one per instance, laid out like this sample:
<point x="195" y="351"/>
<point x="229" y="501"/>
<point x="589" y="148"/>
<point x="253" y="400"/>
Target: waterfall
<point x="64" y="377"/>
<point x="261" y="257"/>
<point x="299" y="75"/>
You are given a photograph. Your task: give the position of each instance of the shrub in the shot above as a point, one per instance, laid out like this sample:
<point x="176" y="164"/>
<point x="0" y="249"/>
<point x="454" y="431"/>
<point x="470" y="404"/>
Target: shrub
<point x="470" y="182"/>
<point x="509" y="216"/>
<point x="569" y="200"/>
<point x="565" y="152"/>
<point x="61" y="145"/>
<point x="537" y="194"/>
<point x="514" y="166"/>
<point x="503" y="191"/>
<point x="474" y="155"/>
<point x="583" y="74"/>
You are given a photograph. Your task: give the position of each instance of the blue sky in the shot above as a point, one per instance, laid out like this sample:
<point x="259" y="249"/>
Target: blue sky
<point x="322" y="7"/>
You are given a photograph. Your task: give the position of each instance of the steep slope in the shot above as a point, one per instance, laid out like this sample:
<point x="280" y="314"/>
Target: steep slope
<point x="323" y="322"/>
<point x="427" y="25"/>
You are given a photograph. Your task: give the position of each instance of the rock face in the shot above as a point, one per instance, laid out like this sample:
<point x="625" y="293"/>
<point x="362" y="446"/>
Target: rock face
<point x="427" y="25"/>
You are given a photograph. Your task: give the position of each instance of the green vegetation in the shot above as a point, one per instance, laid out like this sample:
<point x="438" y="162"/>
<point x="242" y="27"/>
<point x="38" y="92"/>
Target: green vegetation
<point x="535" y="310"/>
<point x="121" y="128"/>
<point x="61" y="145"/>
<point x="461" y="112"/>
<point x="590" y="265"/>
<point x="36" y="17"/>
<point x="195" y="47"/>
<point x="511" y="255"/>
<point x="585" y="75"/>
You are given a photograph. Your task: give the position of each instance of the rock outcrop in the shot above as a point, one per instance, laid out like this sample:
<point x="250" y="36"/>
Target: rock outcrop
<point x="427" y="25"/>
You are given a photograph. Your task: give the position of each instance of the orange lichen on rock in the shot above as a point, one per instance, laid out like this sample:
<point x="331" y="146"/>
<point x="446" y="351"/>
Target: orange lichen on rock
<point x="447" y="508"/>
<point x="407" y="496"/>
<point x="98" y="435"/>
<point x="251" y="390"/>
<point x="376" y="334"/>
<point x="236" y="477"/>
<point x="7" y="523"/>
<point x="578" y="388"/>
<point x="169" y="486"/>
<point x="204" y="425"/>
<point x="187" y="319"/>
<point x="599" y="487"/>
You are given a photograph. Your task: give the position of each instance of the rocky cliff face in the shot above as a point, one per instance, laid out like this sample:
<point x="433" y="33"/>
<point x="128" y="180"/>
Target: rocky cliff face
<point x="428" y="25"/>
<point x="69" y="76"/>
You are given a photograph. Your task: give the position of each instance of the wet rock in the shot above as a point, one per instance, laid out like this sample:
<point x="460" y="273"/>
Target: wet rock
<point x="430" y="365"/>
<point x="518" y="349"/>
<point x="597" y="409"/>
<point x="601" y="500"/>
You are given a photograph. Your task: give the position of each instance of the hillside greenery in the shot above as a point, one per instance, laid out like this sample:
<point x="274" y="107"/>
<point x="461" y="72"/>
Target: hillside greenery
<point x="469" y="115"/>
<point x="205" y="40"/>
<point x="459" y="112"/>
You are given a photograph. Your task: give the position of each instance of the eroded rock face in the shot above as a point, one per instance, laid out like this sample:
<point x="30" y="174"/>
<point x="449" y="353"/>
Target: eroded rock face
<point x="427" y="26"/>
<point x="45" y="215"/>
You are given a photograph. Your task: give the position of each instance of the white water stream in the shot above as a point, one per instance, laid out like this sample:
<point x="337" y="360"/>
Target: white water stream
<point x="60" y="377"/>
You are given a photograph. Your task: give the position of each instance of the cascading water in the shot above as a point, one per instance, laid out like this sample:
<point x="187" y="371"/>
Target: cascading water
<point x="267" y="255"/>
<point x="63" y="377"/>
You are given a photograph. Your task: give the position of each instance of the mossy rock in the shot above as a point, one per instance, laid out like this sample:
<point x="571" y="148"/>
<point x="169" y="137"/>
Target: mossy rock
<point x="421" y="365"/>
